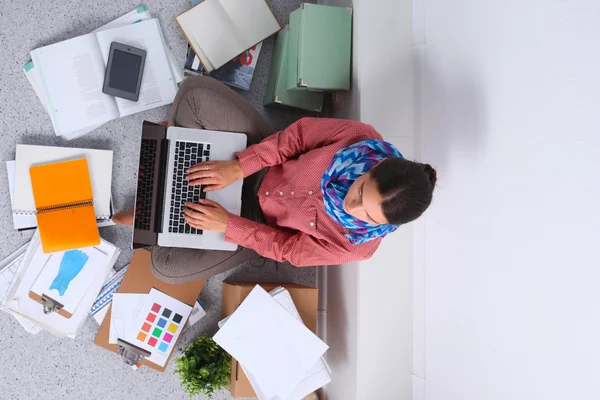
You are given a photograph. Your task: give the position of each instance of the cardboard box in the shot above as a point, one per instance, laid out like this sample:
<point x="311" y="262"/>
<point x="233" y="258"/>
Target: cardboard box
<point x="305" y="298"/>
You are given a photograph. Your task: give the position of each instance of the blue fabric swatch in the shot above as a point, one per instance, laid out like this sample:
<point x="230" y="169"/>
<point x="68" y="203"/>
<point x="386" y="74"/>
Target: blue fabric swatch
<point x="71" y="265"/>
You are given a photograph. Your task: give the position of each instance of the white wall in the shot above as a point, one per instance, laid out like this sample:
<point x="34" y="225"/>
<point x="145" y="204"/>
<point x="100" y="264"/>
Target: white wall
<point x="511" y="119"/>
<point x="339" y="284"/>
<point x="385" y="77"/>
<point x="371" y="351"/>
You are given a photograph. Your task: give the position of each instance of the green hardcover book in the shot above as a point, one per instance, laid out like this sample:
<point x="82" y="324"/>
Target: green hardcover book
<point x="320" y="48"/>
<point x="277" y="92"/>
<point x="292" y="50"/>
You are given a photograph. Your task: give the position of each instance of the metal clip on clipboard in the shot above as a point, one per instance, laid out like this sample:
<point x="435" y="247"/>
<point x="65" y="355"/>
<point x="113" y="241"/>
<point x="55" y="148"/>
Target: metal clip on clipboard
<point x="131" y="354"/>
<point x="50" y="305"/>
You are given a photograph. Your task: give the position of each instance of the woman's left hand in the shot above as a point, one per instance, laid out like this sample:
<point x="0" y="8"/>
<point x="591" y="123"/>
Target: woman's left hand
<point x="207" y="216"/>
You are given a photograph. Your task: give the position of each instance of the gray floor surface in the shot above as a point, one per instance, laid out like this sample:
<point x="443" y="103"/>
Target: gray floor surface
<point x="42" y="366"/>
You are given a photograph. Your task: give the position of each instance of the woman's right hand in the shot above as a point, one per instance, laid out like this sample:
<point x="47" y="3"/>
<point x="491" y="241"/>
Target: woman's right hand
<point x="214" y="175"/>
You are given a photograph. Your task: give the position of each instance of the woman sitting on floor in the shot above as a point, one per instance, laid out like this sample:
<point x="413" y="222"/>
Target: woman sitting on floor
<point x="321" y="192"/>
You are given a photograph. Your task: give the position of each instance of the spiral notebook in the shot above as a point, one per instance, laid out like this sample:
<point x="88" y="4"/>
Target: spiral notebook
<point x="99" y="168"/>
<point x="64" y="205"/>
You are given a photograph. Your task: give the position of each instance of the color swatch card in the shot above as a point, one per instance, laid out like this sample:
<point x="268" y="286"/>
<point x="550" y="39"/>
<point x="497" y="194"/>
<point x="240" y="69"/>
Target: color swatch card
<point x="159" y="325"/>
<point x="68" y="275"/>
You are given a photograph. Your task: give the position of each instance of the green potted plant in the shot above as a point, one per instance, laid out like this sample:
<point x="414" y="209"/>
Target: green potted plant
<point x="204" y="367"/>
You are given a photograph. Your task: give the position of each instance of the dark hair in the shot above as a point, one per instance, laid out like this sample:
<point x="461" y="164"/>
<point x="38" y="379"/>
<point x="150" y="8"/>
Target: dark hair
<point x="406" y="188"/>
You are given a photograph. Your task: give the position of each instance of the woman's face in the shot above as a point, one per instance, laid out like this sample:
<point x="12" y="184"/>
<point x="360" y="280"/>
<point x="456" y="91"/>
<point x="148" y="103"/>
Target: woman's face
<point x="363" y="201"/>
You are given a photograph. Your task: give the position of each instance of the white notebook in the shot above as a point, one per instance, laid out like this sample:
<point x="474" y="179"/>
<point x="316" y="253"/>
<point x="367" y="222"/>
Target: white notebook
<point x="72" y="75"/>
<point x="99" y="165"/>
<point x="219" y="30"/>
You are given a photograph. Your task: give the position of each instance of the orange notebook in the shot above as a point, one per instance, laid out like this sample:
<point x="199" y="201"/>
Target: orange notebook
<point x="63" y="198"/>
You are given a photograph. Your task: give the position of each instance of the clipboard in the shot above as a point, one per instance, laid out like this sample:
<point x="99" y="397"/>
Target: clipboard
<point x="66" y="291"/>
<point x="139" y="279"/>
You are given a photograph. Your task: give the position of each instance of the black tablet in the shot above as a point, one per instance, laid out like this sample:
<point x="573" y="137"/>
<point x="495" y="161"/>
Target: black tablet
<point x="123" y="76"/>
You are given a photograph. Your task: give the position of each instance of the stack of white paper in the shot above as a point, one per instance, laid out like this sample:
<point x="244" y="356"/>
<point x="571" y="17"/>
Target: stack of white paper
<point x="8" y="269"/>
<point x="31" y="272"/>
<point x="281" y="357"/>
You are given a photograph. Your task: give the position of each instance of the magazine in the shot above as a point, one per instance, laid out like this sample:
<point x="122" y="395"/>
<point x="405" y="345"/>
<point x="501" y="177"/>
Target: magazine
<point x="237" y="73"/>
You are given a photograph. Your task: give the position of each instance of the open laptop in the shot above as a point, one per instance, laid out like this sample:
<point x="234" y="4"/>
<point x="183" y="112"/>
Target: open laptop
<point x="165" y="155"/>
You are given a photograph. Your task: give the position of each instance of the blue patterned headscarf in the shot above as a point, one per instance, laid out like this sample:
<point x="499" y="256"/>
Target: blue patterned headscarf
<point x="347" y="165"/>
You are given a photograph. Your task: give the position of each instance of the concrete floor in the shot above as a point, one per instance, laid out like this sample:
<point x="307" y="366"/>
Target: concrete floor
<point x="41" y="366"/>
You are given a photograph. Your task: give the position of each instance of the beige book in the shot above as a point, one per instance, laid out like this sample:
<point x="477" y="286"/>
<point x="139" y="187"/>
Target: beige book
<point x="219" y="30"/>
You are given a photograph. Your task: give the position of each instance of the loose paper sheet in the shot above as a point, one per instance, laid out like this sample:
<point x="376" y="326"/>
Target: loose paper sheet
<point x="8" y="270"/>
<point x="126" y="308"/>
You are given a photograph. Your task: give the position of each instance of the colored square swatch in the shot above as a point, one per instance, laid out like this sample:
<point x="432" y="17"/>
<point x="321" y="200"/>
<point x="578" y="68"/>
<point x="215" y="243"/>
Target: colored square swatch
<point x="166" y="313"/>
<point x="151" y="317"/>
<point x="172" y="328"/>
<point x="157" y="332"/>
<point x="152" y="342"/>
<point x="161" y="322"/>
<point x="177" y="318"/>
<point x="156" y="307"/>
<point x="168" y="337"/>
<point x="141" y="336"/>
<point x="146" y="327"/>
<point x="163" y="347"/>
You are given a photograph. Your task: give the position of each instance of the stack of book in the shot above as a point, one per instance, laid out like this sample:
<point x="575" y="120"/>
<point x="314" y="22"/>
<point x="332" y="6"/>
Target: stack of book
<point x="312" y="56"/>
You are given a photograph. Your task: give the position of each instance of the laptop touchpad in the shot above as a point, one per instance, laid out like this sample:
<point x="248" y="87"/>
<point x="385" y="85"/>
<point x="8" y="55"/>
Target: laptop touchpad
<point x="225" y="197"/>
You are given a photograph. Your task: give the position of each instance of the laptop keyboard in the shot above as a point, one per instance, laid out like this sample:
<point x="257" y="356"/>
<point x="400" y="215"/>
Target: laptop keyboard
<point x="143" y="207"/>
<point x="187" y="154"/>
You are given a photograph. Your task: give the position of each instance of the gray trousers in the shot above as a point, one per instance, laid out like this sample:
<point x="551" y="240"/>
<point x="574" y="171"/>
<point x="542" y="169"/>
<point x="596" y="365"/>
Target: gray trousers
<point x="206" y="103"/>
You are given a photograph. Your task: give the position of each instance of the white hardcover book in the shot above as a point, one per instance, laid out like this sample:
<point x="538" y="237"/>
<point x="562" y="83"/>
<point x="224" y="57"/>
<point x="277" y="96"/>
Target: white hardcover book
<point x="219" y="30"/>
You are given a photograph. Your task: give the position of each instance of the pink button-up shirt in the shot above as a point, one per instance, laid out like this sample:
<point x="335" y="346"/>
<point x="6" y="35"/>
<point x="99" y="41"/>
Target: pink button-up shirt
<point x="299" y="229"/>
